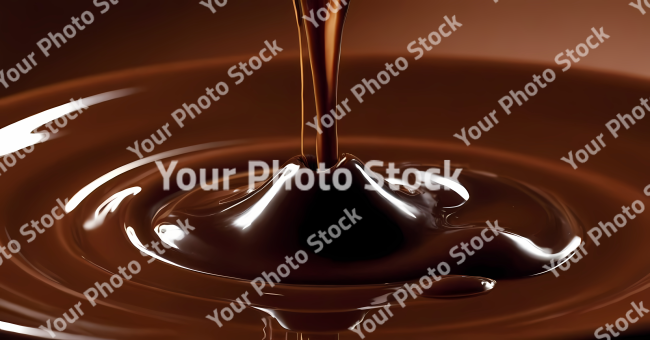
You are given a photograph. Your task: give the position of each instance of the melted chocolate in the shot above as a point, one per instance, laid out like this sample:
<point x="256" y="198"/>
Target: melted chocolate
<point x="402" y="232"/>
<point x="166" y="300"/>
<point x="398" y="236"/>
<point x="324" y="44"/>
<point x="399" y="232"/>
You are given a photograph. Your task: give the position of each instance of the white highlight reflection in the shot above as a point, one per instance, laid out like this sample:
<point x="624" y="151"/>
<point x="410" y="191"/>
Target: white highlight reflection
<point x="488" y="284"/>
<point x="109" y="206"/>
<point x="543" y="253"/>
<point x="88" y="189"/>
<point x="399" y="204"/>
<point x="36" y="332"/>
<point x="455" y="186"/>
<point x="19" y="134"/>
<point x="250" y="215"/>
<point x="10" y="327"/>
<point x="169" y="234"/>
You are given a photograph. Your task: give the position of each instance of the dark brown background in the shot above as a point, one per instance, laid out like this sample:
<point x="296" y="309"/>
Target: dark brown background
<point x="145" y="32"/>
